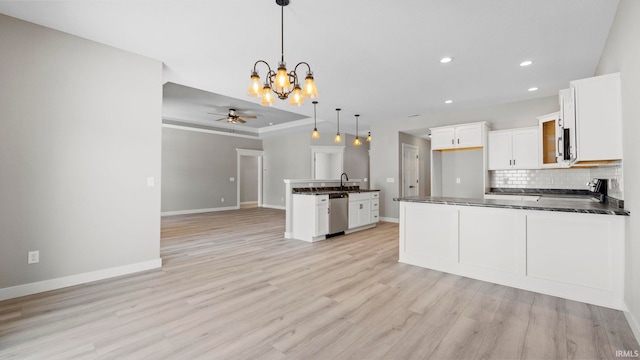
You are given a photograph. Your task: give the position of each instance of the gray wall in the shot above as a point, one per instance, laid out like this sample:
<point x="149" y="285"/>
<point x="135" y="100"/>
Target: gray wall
<point x="622" y="54"/>
<point x="466" y="165"/>
<point x="79" y="135"/>
<point x="197" y="167"/>
<point x="385" y="159"/>
<point x="424" y="153"/>
<point x="289" y="157"/>
<point x="248" y="178"/>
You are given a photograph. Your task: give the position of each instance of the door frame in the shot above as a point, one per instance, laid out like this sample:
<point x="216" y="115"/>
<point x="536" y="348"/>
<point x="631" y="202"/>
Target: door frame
<point x="417" y="149"/>
<point x="246" y="152"/>
<point x="326" y="150"/>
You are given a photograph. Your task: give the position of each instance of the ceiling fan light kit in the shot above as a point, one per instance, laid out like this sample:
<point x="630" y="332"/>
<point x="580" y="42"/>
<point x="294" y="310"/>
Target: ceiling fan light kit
<point x="282" y="83"/>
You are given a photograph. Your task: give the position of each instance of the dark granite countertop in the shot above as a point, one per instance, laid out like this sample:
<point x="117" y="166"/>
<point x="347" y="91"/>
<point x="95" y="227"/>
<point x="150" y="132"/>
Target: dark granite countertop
<point x="568" y="204"/>
<point x="327" y="192"/>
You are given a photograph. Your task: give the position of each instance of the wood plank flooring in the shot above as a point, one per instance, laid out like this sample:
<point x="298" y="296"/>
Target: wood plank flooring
<point x="232" y="287"/>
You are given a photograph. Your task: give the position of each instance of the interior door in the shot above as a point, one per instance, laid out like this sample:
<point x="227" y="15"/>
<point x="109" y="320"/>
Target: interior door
<point x="410" y="170"/>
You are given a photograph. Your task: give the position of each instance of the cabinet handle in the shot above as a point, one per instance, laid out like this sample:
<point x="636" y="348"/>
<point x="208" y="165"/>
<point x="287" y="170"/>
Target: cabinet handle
<point x="514" y="162"/>
<point x="452" y="142"/>
<point x="558" y="147"/>
<point x="510" y="162"/>
<point x="458" y="141"/>
<point x="360" y="206"/>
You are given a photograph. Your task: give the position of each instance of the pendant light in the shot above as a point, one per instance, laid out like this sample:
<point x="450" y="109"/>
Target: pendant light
<point x="369" y="137"/>
<point x="356" y="141"/>
<point x="338" y="138"/>
<point x="315" y="134"/>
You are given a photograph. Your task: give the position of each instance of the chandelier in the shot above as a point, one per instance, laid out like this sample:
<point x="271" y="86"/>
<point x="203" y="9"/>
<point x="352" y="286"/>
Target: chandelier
<point x="282" y="83"/>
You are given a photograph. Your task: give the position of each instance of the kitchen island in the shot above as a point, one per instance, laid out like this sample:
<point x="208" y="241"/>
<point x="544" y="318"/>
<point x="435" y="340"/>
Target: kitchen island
<point x="571" y="249"/>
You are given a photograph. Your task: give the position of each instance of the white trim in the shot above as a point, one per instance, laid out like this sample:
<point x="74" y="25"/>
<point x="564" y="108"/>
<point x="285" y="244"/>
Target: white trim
<point x="255" y="153"/>
<point x="188" y="128"/>
<point x="633" y="324"/>
<point x="66" y="281"/>
<point x="286" y="125"/>
<point x="326" y="149"/>
<point x="388" y="219"/>
<point x="277" y="207"/>
<point x="197" y="211"/>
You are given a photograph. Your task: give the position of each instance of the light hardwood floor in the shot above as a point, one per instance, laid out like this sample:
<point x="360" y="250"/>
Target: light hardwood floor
<point x="232" y="287"/>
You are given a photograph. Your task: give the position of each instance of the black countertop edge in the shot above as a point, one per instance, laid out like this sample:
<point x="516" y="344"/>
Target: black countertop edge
<point x="326" y="192"/>
<point x="520" y="191"/>
<point x="595" y="208"/>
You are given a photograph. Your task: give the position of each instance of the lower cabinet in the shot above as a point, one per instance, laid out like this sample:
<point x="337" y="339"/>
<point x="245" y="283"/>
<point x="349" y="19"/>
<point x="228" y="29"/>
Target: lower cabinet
<point x="363" y="209"/>
<point x="311" y="220"/>
<point x="571" y="255"/>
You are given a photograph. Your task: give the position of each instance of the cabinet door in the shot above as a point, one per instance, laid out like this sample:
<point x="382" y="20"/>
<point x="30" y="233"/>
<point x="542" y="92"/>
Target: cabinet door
<point x="322" y="219"/>
<point x="598" y="122"/>
<point x="469" y="135"/>
<point x="442" y="138"/>
<point x="354" y="216"/>
<point x="364" y="212"/>
<point x="525" y="148"/>
<point x="499" y="150"/>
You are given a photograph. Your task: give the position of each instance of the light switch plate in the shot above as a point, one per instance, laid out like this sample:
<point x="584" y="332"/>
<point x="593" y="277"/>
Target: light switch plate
<point x="151" y="181"/>
<point x="232" y="179"/>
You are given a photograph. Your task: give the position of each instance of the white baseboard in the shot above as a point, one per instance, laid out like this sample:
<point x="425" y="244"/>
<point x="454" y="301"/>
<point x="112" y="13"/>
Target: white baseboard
<point x="635" y="326"/>
<point x="277" y="207"/>
<point x="59" y="283"/>
<point x="197" y="211"/>
<point x="388" y="219"/>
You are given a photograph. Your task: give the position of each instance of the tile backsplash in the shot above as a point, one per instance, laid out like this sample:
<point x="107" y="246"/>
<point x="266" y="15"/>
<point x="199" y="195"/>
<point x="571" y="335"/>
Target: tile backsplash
<point x="573" y="178"/>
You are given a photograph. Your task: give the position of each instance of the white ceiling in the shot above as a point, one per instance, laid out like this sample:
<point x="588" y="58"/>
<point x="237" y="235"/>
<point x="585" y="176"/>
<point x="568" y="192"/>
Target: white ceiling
<point x="376" y="58"/>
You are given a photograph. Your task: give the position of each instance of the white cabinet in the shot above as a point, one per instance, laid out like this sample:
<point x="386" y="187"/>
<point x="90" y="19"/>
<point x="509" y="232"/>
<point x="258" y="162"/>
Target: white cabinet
<point x="375" y="206"/>
<point x="359" y="209"/>
<point x="571" y="255"/>
<point x="598" y="118"/>
<point x="311" y="217"/>
<point x="551" y="141"/>
<point x="458" y="136"/>
<point x="513" y="149"/>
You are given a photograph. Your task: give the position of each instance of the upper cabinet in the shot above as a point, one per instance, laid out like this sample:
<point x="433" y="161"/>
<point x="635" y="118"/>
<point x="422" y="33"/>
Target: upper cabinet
<point x="551" y="141"/>
<point x="459" y="136"/>
<point x="513" y="149"/>
<point x="598" y="123"/>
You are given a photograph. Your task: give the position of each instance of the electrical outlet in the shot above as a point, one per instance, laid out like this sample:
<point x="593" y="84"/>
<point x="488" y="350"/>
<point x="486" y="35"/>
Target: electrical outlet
<point x="221" y="199"/>
<point x="33" y="257"/>
<point x="457" y="180"/>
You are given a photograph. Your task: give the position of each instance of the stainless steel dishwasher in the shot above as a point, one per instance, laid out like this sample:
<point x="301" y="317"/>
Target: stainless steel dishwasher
<point x="338" y="212"/>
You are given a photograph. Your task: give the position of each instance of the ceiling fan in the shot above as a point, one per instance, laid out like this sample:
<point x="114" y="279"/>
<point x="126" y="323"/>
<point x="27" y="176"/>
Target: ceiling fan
<point x="233" y="117"/>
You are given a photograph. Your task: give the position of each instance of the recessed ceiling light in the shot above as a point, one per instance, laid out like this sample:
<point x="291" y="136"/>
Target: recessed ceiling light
<point x="448" y="101"/>
<point x="446" y="59"/>
<point x="533" y="88"/>
<point x="526" y="63"/>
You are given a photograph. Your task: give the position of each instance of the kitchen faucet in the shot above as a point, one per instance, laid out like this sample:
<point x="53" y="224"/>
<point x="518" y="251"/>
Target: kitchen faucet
<point x="347" y="179"/>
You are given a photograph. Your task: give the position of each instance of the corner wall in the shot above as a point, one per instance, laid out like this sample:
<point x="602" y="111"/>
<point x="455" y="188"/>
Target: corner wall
<point x="622" y="54"/>
<point x="79" y="138"/>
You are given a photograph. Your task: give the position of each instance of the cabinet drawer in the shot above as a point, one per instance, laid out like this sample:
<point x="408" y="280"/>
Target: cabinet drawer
<point x="375" y="204"/>
<point x="375" y="216"/>
<point x="375" y="195"/>
<point x="358" y="196"/>
<point x="322" y="199"/>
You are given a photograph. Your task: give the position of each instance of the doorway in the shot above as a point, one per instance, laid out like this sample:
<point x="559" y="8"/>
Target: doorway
<point x="249" y="178"/>
<point x="410" y="170"/>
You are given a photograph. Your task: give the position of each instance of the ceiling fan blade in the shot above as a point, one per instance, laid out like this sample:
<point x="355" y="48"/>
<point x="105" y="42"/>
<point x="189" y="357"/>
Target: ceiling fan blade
<point x="249" y="116"/>
<point x="224" y="118"/>
<point x="240" y="121"/>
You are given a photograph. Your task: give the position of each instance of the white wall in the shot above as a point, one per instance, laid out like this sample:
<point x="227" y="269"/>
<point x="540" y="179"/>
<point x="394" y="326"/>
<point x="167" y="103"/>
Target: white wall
<point x="384" y="147"/>
<point x="622" y="54"/>
<point x="79" y="135"/>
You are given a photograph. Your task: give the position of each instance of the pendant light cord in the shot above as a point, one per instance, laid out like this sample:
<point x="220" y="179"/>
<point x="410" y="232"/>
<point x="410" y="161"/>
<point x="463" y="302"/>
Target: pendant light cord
<point x="282" y="33"/>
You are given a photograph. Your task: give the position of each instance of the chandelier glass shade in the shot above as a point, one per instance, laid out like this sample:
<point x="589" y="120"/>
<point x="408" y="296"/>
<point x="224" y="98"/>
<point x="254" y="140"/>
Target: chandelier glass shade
<point x="356" y="141"/>
<point x="282" y="83"/>
<point x="315" y="134"/>
<point x="338" y="138"/>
